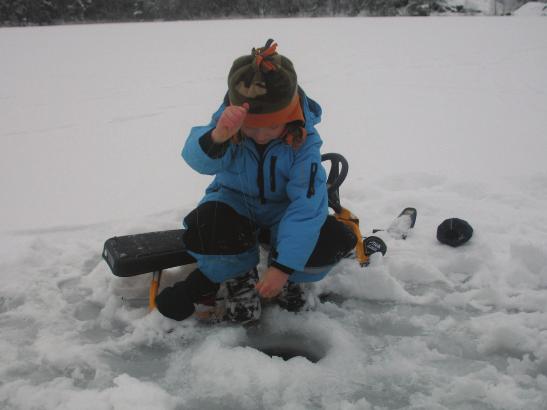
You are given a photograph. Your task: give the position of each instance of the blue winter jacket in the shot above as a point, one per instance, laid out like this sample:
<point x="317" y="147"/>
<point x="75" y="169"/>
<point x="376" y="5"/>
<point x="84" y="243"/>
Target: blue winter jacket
<point x="283" y="188"/>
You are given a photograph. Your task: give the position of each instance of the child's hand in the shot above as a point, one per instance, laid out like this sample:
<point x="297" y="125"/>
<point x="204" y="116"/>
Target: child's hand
<point x="272" y="282"/>
<point x="229" y="123"/>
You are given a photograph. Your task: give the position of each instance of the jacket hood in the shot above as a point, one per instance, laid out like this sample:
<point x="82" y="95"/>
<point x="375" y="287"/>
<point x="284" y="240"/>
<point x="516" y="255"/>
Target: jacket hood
<point x="312" y="110"/>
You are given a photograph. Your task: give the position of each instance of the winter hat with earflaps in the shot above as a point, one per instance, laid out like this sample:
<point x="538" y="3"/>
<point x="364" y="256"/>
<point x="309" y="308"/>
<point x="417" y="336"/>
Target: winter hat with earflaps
<point x="454" y="232"/>
<point x="267" y="81"/>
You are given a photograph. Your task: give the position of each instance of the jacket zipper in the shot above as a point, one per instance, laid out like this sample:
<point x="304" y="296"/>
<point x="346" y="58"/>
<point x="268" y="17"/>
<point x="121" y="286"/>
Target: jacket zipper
<point x="260" y="176"/>
<point x="273" y="160"/>
<point x="311" y="186"/>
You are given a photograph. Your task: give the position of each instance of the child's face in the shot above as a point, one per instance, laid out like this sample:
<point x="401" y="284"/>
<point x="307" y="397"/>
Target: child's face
<point x="263" y="135"/>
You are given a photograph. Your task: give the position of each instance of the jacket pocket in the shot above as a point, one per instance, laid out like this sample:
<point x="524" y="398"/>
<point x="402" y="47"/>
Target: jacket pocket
<point x="273" y="161"/>
<point x="311" y="185"/>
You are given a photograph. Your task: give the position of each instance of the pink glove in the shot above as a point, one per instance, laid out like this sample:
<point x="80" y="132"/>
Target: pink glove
<point x="229" y="123"/>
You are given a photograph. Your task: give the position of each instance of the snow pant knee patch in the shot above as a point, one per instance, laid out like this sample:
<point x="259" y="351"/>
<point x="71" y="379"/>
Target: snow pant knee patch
<point x="199" y="285"/>
<point x="215" y="228"/>
<point x="335" y="241"/>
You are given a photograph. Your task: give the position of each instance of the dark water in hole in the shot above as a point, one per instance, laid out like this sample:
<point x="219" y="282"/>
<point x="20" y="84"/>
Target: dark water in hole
<point x="287" y="345"/>
<point x="287" y="353"/>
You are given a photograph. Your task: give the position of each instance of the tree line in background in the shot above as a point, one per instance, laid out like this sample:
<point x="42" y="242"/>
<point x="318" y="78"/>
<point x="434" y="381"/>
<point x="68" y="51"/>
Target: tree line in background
<point x="22" y="12"/>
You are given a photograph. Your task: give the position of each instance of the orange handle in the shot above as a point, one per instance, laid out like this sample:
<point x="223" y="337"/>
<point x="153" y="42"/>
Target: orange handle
<point x="153" y="292"/>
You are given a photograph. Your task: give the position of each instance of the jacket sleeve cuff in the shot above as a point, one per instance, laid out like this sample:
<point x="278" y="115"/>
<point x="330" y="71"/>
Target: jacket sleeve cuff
<point x="211" y="148"/>
<point x="282" y="268"/>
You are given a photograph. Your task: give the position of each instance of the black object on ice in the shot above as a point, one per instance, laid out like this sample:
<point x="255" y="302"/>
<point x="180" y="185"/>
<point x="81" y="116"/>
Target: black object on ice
<point x="401" y="226"/>
<point x="374" y="244"/>
<point x="454" y="232"/>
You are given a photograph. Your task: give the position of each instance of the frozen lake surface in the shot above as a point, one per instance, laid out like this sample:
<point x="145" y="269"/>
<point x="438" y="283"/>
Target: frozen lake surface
<point x="443" y="114"/>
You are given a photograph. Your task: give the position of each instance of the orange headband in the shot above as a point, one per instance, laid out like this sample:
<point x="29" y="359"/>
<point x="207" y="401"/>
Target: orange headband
<point x="292" y="112"/>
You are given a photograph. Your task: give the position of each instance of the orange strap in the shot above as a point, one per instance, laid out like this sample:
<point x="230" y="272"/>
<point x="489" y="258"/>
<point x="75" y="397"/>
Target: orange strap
<point x="350" y="220"/>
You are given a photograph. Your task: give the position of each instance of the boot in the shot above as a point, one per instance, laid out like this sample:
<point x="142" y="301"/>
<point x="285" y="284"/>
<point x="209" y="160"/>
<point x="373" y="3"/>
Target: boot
<point x="177" y="301"/>
<point x="242" y="302"/>
<point x="291" y="297"/>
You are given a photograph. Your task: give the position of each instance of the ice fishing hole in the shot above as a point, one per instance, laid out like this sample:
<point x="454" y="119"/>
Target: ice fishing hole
<point x="287" y="346"/>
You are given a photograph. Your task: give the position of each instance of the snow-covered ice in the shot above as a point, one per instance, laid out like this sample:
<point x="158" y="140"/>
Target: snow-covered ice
<point x="443" y="114"/>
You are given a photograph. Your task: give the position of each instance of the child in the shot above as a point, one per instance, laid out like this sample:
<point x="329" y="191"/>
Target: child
<point x="269" y="187"/>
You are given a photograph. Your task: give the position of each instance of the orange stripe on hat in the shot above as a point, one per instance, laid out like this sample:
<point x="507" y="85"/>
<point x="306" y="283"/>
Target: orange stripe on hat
<point x="292" y="112"/>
